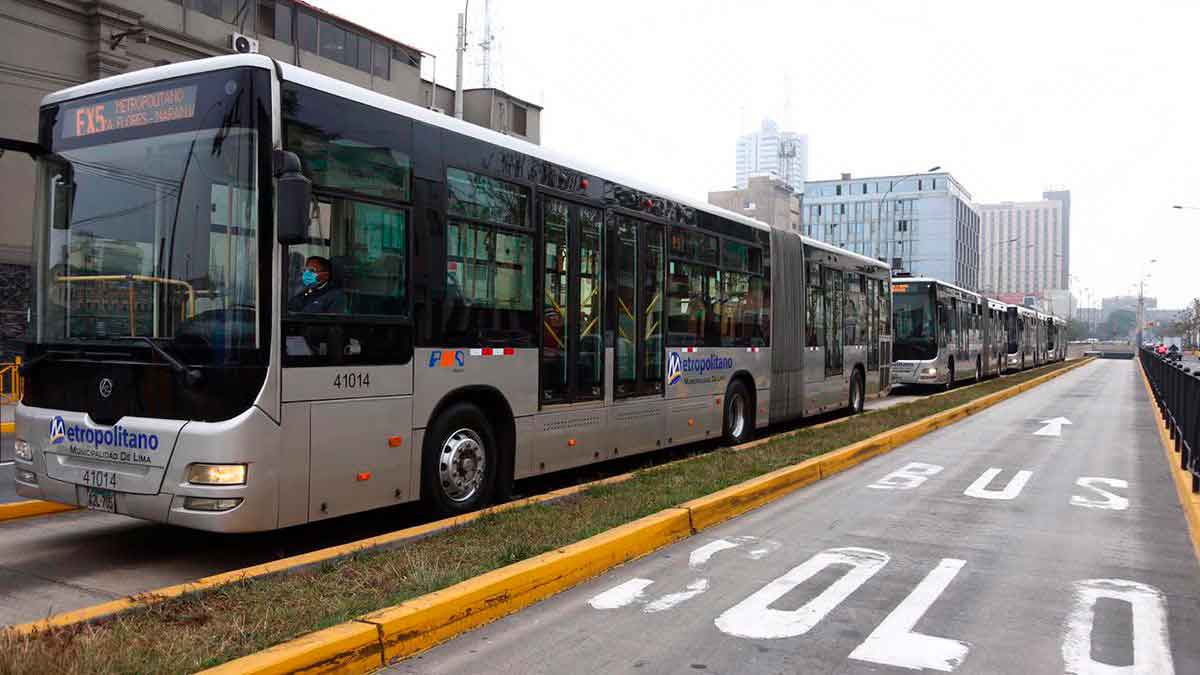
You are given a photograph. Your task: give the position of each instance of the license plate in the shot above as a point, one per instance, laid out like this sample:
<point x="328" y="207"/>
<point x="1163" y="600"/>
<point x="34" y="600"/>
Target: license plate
<point x="102" y="500"/>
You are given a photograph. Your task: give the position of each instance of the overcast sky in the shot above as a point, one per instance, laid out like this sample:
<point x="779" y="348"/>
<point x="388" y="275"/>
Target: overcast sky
<point x="1100" y="97"/>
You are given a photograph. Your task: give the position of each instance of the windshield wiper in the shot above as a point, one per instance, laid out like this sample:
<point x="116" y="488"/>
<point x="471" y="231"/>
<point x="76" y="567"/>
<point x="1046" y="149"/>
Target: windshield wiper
<point x="191" y="375"/>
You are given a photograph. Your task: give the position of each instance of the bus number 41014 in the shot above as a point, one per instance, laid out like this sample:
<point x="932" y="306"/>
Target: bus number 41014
<point x="352" y="380"/>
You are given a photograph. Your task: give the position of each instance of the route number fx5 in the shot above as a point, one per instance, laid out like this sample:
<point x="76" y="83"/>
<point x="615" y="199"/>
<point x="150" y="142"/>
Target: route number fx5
<point x="352" y="380"/>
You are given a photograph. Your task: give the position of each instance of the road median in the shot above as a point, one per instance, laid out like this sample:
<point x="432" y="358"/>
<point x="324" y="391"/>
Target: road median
<point x="30" y="508"/>
<point x="414" y="596"/>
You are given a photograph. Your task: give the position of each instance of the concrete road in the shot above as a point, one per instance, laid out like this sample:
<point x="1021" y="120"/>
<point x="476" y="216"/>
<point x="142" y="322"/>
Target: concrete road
<point x="8" y="492"/>
<point x="1001" y="544"/>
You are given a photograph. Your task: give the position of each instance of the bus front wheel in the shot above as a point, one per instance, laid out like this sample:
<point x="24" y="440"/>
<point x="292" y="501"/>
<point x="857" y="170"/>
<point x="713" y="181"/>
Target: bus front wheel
<point x="858" y="393"/>
<point x="950" y="376"/>
<point x="459" y="461"/>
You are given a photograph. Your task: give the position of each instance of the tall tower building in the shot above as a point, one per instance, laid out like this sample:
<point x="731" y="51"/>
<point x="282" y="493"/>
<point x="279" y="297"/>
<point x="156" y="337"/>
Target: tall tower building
<point x="1025" y="246"/>
<point x="771" y="152"/>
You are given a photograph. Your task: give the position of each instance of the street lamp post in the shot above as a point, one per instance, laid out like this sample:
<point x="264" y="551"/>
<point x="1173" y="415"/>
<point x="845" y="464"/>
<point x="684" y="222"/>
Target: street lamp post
<point x="1141" y="313"/>
<point x="879" y="204"/>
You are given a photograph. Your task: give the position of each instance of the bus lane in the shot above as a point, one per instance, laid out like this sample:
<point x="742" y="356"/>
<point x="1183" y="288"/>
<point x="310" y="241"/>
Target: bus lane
<point x="1041" y="535"/>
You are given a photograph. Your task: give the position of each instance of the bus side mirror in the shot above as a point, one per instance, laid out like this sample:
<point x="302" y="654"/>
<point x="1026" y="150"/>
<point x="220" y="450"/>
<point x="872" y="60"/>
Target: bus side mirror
<point x="294" y="199"/>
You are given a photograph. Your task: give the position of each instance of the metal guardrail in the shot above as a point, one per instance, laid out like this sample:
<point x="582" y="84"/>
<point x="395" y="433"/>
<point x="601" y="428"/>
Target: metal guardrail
<point x="10" y="382"/>
<point x="1177" y="391"/>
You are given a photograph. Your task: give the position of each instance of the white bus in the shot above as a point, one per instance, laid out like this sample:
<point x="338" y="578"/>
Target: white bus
<point x="266" y="297"/>
<point x="943" y="334"/>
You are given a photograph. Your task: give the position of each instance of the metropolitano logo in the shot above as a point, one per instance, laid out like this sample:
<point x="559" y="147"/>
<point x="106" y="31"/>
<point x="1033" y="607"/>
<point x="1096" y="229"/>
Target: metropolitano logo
<point x="674" y="371"/>
<point x="58" y="431"/>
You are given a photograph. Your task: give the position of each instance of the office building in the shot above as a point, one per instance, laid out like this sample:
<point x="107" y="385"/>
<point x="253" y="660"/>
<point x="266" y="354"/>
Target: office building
<point x="922" y="224"/>
<point x="1025" y="246"/>
<point x="765" y="198"/>
<point x="1125" y="302"/>
<point x="771" y="152"/>
<point x="53" y="44"/>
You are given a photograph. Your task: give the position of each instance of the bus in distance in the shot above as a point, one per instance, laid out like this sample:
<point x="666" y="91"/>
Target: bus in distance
<point x="265" y="297"/>
<point x="942" y="333"/>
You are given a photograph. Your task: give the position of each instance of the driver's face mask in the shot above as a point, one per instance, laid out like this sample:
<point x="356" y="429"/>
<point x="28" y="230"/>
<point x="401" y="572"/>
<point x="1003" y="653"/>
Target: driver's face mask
<point x="309" y="278"/>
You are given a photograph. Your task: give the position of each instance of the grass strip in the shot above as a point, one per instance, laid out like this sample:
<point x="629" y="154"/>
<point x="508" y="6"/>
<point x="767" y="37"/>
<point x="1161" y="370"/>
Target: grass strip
<point x="204" y="629"/>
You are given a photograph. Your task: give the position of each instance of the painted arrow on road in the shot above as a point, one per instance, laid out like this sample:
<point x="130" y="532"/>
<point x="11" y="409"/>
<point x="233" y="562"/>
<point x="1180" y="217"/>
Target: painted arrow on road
<point x="1053" y="427"/>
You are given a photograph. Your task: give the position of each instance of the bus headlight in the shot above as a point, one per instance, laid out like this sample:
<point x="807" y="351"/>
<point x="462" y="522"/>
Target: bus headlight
<point x="209" y="503"/>
<point x="22" y="450"/>
<point x="217" y="474"/>
<point x="931" y="371"/>
<point x="27" y="477"/>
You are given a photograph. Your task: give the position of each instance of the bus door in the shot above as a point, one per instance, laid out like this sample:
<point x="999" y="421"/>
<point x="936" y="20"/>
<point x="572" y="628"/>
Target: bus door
<point x="572" y="342"/>
<point x="814" y="337"/>
<point x="834" y="292"/>
<point x="636" y="255"/>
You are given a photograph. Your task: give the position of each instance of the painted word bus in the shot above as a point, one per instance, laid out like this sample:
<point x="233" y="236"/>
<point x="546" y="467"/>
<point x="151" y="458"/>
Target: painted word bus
<point x="265" y="297"/>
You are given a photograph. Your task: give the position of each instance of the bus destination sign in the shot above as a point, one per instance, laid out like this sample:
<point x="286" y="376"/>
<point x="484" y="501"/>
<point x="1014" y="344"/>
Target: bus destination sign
<point x="129" y="112"/>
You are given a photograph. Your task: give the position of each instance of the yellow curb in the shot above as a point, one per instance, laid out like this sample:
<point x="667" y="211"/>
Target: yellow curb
<point x="8" y="427"/>
<point x="418" y="624"/>
<point x="291" y="563"/>
<point x="1189" y="500"/>
<point x="423" y="622"/>
<point x="32" y="507"/>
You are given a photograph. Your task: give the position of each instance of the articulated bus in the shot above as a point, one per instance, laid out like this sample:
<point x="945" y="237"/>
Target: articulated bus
<point x="943" y="333"/>
<point x="265" y="297"/>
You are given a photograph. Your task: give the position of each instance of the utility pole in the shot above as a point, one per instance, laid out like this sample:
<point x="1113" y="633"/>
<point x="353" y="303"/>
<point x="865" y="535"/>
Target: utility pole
<point x="462" y="48"/>
<point x="486" y="45"/>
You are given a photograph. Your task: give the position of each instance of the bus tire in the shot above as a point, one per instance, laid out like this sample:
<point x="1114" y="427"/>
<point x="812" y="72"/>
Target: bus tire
<point x="950" y="376"/>
<point x="459" y="461"/>
<point x="738" y="423"/>
<point x="858" y="392"/>
<point x="979" y="369"/>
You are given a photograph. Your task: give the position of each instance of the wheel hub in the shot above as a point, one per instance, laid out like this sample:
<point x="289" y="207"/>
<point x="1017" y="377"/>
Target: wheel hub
<point x="462" y="465"/>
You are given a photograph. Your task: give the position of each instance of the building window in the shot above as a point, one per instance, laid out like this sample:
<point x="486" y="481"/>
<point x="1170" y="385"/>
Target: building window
<point x="864" y="188"/>
<point x="838" y="190"/>
<point x="364" y="54"/>
<point x="841" y="209"/>
<point x="902" y="226"/>
<point x="283" y="22"/>
<point x="818" y="209"/>
<point x="333" y="42"/>
<point x="519" y="120"/>
<point x="224" y="10"/>
<point x="920" y="185"/>
<point x="382" y="66"/>
<point x="307" y="27"/>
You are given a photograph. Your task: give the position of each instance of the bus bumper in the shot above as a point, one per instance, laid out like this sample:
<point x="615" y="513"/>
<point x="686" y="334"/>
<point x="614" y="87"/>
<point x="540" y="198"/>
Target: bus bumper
<point x="918" y="373"/>
<point x="252" y="507"/>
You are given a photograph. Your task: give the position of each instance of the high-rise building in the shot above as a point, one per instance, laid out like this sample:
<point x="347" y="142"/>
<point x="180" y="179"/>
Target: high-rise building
<point x="922" y="224"/>
<point x="771" y="152"/>
<point x="764" y="198"/>
<point x="1025" y="246"/>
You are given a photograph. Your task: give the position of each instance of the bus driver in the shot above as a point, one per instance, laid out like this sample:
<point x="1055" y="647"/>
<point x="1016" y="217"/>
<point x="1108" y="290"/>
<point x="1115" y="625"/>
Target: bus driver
<point x="320" y="294"/>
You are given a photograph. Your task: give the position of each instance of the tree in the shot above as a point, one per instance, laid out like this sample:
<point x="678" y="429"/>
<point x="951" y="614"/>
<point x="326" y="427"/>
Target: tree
<point x="1119" y="326"/>
<point x="1077" y="330"/>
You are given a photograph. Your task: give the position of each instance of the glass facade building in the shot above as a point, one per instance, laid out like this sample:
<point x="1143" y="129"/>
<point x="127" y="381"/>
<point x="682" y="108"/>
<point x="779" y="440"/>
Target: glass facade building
<point x="925" y="225"/>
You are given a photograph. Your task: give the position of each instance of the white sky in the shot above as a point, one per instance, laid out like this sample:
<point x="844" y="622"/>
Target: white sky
<point x="1101" y="97"/>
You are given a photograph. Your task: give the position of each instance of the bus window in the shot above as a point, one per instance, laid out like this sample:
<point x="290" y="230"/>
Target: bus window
<point x="652" y="309"/>
<point x="555" y="307"/>
<point x="571" y="329"/>
<point x="489" y="265"/>
<point x="814" y="323"/>
<point x="625" y="259"/>
<point x="834" y="294"/>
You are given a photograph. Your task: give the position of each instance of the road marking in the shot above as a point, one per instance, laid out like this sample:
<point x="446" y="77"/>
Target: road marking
<point x="894" y="643"/>
<point x="702" y="554"/>
<point x="672" y="599"/>
<point x="754" y="618"/>
<point x="1111" y="501"/>
<point x="1151" y="643"/>
<point x="1053" y="427"/>
<point x="907" y="477"/>
<point x="979" y="489"/>
<point x="619" y="596"/>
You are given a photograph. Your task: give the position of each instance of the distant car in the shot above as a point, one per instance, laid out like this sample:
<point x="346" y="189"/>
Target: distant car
<point x="1092" y="341"/>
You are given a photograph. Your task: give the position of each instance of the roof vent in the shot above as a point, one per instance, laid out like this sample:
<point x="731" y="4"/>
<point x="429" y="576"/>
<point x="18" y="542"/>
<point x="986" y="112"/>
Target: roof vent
<point x="845" y="176"/>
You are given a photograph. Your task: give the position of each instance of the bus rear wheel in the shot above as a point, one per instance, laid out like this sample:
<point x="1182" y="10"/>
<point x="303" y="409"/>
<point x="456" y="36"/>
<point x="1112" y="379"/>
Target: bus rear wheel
<point x="979" y="369"/>
<point x="739" y="414"/>
<point x="950" y="376"/>
<point x="460" y="461"/>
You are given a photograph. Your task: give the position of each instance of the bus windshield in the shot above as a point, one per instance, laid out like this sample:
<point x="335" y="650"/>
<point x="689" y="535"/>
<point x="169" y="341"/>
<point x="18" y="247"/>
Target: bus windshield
<point x="148" y="218"/>
<point x="915" y="327"/>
